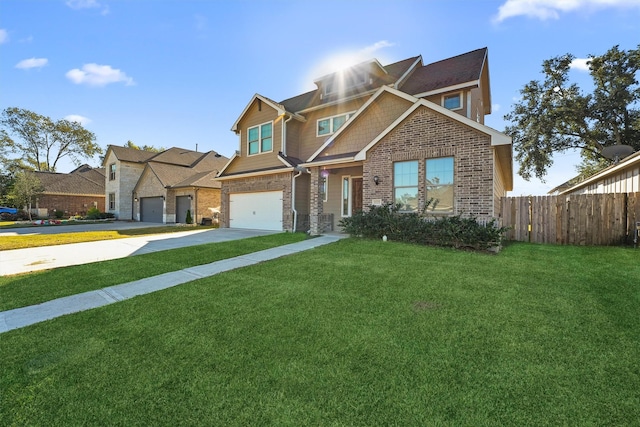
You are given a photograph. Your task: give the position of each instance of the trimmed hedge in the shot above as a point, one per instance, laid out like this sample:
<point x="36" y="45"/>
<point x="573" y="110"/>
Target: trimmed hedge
<point x="453" y="231"/>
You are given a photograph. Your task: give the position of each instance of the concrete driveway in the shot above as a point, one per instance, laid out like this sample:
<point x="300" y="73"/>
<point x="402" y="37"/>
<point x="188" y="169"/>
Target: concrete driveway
<point x="54" y="229"/>
<point x="35" y="259"/>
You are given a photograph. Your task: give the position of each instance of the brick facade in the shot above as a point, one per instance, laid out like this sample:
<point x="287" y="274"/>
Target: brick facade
<point x="275" y="182"/>
<point x="69" y="204"/>
<point x="427" y="134"/>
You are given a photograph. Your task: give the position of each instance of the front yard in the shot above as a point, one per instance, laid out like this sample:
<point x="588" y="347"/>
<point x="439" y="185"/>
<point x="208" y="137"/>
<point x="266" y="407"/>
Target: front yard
<point x="352" y="333"/>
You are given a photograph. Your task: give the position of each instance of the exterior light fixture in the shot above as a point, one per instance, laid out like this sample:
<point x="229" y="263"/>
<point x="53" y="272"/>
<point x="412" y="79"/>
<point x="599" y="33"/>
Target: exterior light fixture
<point x="324" y="173"/>
<point x="135" y="199"/>
<point x="376" y="179"/>
<point x="190" y="197"/>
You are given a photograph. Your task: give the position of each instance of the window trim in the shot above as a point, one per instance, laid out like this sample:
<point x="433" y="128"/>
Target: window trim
<point x="260" y="139"/>
<point x="325" y="188"/>
<point x="452" y="185"/>
<point x="417" y="186"/>
<point x="348" y="115"/>
<point x="112" y="173"/>
<point x="347" y="179"/>
<point x="451" y="95"/>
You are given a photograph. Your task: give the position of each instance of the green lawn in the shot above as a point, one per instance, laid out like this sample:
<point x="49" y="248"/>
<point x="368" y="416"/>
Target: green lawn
<point x="356" y="333"/>
<point x="34" y="288"/>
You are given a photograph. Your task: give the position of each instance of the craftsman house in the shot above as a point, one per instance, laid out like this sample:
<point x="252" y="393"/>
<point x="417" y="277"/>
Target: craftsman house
<point x="369" y="135"/>
<point x="162" y="187"/>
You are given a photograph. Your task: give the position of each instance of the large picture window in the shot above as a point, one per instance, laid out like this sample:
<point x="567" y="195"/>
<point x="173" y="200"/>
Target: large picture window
<point x="439" y="183"/>
<point x="405" y="185"/>
<point x="260" y="139"/>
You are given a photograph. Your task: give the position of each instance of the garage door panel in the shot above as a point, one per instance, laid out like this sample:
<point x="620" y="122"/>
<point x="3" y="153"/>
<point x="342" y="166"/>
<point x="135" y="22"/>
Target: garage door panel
<point x="151" y="209"/>
<point x="261" y="211"/>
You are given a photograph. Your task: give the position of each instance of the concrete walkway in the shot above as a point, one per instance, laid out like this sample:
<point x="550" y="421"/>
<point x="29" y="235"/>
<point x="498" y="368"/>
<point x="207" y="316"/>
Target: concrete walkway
<point x="19" y="261"/>
<point x="25" y="316"/>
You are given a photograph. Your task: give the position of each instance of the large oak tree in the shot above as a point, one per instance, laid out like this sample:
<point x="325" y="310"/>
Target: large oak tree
<point x="555" y="115"/>
<point x="40" y="142"/>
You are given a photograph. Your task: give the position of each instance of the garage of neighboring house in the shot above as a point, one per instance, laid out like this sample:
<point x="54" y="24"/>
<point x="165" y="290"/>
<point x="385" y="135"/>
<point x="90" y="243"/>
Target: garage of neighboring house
<point x="151" y="209"/>
<point x="183" y="204"/>
<point x="261" y="211"/>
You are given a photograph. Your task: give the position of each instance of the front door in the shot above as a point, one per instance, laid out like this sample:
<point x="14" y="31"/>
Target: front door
<point x="356" y="195"/>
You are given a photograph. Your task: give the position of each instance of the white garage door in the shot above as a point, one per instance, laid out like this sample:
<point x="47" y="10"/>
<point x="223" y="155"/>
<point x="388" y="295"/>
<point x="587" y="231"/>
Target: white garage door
<point x="260" y="211"/>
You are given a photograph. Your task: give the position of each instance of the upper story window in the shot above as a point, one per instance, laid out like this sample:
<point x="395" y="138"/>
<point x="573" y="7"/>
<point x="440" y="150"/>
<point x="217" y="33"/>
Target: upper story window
<point x="439" y="183"/>
<point x="330" y="125"/>
<point x="452" y="102"/>
<point x="112" y="172"/>
<point x="260" y="139"/>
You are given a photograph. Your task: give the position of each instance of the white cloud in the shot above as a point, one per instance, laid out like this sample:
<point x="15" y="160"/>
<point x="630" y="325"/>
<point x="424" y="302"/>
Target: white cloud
<point x="80" y="119"/>
<point x="98" y="75"/>
<point x="27" y="64"/>
<point x="4" y="36"/>
<point x="580" y="64"/>
<point x="551" y="9"/>
<point x="87" y="4"/>
<point x="83" y="4"/>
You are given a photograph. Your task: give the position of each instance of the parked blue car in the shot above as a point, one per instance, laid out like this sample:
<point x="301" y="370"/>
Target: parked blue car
<point x="8" y="210"/>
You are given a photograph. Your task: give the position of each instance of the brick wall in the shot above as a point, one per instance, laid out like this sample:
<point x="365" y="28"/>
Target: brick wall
<point x="70" y="205"/>
<point x="275" y="182"/>
<point x="426" y="134"/>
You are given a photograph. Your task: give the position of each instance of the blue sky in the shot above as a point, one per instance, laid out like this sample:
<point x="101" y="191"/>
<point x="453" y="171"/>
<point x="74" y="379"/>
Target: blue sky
<point x="179" y="72"/>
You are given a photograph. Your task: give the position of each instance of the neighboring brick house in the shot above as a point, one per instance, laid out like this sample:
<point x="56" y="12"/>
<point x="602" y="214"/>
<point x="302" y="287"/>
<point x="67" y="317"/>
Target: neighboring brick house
<point x="370" y="135"/>
<point x="161" y="187"/>
<point x="72" y="193"/>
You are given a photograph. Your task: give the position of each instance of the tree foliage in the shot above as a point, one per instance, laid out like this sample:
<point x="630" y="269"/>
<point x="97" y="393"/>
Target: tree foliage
<point x="555" y="115"/>
<point x="151" y="148"/>
<point x="26" y="188"/>
<point x="40" y="142"/>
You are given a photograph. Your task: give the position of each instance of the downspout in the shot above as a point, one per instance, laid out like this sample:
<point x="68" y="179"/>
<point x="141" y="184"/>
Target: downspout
<point x="293" y="201"/>
<point x="284" y="135"/>
<point x="195" y="203"/>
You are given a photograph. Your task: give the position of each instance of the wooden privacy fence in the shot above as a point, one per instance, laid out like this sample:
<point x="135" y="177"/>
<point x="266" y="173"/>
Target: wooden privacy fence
<point x="582" y="219"/>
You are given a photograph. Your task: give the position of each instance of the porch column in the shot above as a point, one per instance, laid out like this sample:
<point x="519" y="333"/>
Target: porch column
<point x="315" y="212"/>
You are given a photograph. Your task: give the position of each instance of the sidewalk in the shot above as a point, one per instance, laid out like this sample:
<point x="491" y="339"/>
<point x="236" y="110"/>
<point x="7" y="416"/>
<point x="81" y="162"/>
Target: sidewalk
<point x="25" y="316"/>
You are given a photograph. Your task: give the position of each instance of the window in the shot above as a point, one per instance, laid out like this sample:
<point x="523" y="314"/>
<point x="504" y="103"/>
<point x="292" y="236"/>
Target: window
<point x="439" y="183"/>
<point x="346" y="196"/>
<point x="112" y="201"/>
<point x="452" y="102"/>
<point x="260" y="139"/>
<point x="325" y="187"/>
<point x="405" y="185"/>
<point x="112" y="172"/>
<point x="345" y="81"/>
<point x="329" y="125"/>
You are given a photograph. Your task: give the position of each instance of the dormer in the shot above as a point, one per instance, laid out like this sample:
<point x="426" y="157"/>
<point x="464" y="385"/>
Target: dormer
<point x="358" y="78"/>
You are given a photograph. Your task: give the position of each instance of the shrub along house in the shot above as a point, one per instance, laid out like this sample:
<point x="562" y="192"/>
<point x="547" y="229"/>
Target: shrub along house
<point x="162" y="187"/>
<point x="369" y="135"/>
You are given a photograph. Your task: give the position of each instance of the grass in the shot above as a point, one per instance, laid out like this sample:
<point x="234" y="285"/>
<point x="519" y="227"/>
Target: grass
<point x="356" y="333"/>
<point x="33" y="288"/>
<point x="37" y="240"/>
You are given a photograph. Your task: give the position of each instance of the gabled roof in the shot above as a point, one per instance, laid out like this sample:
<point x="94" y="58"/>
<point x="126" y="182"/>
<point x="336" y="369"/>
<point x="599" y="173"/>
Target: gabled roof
<point x="126" y="154"/>
<point x="81" y="181"/>
<point x="632" y="160"/>
<point x="281" y="109"/>
<point x="392" y="74"/>
<point x="450" y="72"/>
<point x="186" y="171"/>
